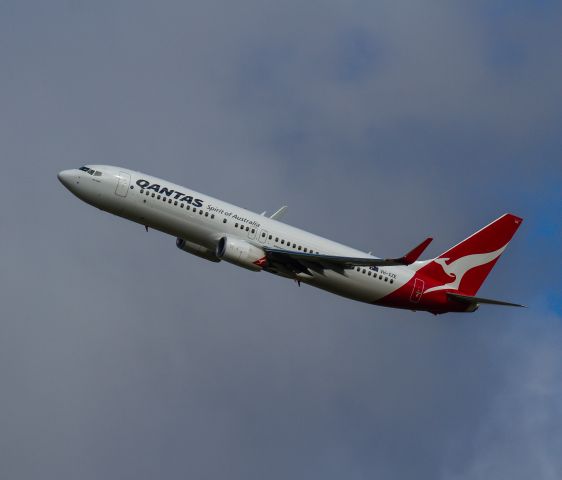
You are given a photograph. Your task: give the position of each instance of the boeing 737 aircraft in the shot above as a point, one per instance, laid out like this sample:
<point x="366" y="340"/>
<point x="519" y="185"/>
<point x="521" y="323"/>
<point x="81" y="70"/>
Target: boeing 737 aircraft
<point x="216" y="230"/>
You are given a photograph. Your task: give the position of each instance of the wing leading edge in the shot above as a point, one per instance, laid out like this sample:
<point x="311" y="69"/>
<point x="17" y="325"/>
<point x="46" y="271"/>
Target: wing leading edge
<point x="304" y="262"/>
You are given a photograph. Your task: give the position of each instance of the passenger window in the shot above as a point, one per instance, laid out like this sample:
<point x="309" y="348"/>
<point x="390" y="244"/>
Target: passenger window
<point x="282" y="242"/>
<point x="142" y="191"/>
<point x="224" y="220"/>
<point x="270" y="237"/>
<point x="276" y="239"/>
<point x="364" y="271"/>
<point x="212" y="215"/>
<point x="247" y="229"/>
<point x="175" y="202"/>
<point x="200" y="212"/>
<point x="235" y="225"/>
<point x="206" y="214"/>
<point x="158" y="197"/>
<point x="170" y="200"/>
<point x="386" y="279"/>
<point x="300" y="248"/>
<point x="181" y="205"/>
<point x="253" y="231"/>
<point x="294" y="245"/>
<point x="305" y="249"/>
<point x="369" y="273"/>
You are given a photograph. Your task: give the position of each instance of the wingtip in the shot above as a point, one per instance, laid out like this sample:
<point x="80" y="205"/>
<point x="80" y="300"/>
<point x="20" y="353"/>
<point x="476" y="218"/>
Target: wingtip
<point x="415" y="253"/>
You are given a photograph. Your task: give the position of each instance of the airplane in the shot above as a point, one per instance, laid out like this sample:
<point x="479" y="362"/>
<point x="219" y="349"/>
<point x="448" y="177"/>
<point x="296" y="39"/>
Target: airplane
<point x="215" y="230"/>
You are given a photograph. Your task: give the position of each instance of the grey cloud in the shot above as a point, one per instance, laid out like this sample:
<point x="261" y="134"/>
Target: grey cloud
<point x="122" y="357"/>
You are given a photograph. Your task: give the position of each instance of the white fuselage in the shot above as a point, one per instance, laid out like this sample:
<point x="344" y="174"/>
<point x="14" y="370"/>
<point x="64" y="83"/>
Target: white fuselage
<point x="204" y="220"/>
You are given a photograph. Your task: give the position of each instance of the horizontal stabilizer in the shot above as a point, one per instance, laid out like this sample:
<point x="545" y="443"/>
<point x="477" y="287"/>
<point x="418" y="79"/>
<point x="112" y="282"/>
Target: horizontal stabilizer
<point x="474" y="300"/>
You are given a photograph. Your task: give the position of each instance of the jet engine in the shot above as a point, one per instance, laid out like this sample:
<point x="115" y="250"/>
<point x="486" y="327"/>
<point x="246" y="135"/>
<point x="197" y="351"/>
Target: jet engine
<point x="241" y="253"/>
<point x="196" y="249"/>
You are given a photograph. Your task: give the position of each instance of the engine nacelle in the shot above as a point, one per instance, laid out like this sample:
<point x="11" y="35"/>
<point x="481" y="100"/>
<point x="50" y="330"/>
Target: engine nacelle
<point x="241" y="253"/>
<point x="196" y="249"/>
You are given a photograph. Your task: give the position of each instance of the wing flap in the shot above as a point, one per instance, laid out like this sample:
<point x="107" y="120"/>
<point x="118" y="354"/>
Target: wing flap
<point x="302" y="262"/>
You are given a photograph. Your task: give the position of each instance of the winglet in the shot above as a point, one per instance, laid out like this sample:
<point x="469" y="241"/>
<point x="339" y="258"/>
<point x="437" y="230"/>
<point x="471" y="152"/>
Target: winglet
<point x="279" y="213"/>
<point x="414" y="254"/>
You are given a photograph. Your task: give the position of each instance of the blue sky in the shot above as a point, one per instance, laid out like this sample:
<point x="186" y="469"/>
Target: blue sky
<point x="378" y="124"/>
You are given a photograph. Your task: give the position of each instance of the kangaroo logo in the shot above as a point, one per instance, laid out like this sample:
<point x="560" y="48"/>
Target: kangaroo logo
<point x="458" y="268"/>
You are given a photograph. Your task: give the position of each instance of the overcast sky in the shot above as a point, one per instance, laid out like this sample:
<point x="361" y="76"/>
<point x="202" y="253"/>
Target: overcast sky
<point x="378" y="123"/>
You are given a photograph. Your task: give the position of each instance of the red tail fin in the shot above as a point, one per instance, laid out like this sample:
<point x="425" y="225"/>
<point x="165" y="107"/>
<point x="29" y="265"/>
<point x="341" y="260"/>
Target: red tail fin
<point x="465" y="266"/>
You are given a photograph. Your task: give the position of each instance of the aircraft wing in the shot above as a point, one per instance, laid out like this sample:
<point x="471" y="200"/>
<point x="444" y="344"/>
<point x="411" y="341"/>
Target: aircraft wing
<point x="279" y="213"/>
<point x="297" y="262"/>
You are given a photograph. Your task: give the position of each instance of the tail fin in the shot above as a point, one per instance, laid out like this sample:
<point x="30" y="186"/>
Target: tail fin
<point x="465" y="266"/>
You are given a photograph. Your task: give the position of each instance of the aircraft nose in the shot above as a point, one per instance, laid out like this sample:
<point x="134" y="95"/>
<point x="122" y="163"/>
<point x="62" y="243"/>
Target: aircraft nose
<point x="65" y="177"/>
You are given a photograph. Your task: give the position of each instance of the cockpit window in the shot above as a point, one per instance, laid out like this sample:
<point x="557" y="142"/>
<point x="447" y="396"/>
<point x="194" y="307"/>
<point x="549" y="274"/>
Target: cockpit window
<point x="95" y="173"/>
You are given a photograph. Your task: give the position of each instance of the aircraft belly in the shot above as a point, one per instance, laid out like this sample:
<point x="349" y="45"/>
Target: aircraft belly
<point x="354" y="285"/>
<point x="169" y="221"/>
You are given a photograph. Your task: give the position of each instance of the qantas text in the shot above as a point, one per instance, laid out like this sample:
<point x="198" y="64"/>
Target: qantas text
<point x="182" y="197"/>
